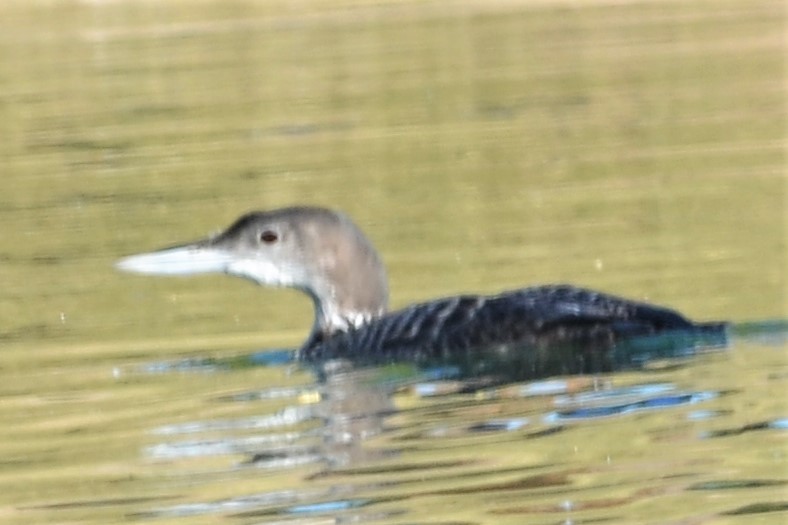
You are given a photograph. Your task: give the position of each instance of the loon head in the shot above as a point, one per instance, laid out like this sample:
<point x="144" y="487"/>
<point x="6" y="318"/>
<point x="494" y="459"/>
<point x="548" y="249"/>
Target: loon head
<point x="318" y="251"/>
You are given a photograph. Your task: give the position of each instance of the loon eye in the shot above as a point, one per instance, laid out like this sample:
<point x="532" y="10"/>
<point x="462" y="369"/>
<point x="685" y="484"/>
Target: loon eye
<point x="268" y="237"/>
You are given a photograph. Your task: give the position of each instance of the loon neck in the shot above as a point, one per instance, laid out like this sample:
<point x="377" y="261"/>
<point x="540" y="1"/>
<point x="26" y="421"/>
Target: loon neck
<point x="332" y="316"/>
<point x="343" y="273"/>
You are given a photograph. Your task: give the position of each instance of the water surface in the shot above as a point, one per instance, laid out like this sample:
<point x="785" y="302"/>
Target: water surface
<point x="634" y="147"/>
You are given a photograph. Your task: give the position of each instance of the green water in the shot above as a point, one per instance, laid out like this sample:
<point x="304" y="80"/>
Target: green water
<point x="634" y="147"/>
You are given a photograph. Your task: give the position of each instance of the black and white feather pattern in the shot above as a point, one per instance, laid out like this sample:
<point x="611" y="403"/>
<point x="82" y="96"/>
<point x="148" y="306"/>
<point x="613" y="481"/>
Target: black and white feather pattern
<point x="542" y="330"/>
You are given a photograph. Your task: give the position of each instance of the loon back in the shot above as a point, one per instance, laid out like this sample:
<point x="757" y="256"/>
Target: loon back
<point x="526" y="333"/>
<point x="548" y="329"/>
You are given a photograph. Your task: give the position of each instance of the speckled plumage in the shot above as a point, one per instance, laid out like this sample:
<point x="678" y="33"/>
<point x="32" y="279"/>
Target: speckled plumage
<point x="544" y="330"/>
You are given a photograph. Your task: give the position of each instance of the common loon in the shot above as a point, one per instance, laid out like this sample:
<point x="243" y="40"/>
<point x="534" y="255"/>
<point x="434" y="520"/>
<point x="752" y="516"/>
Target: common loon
<point x="541" y="330"/>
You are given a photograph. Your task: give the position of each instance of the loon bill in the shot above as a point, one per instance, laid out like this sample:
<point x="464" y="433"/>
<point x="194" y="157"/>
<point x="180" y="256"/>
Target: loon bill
<point x="543" y="330"/>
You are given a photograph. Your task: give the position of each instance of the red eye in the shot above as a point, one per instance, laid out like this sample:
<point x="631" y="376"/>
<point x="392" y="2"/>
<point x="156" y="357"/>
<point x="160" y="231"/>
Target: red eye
<point x="269" y="237"/>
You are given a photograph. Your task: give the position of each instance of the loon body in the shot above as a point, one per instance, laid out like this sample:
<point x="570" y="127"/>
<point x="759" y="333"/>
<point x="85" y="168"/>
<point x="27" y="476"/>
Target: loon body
<point x="543" y="330"/>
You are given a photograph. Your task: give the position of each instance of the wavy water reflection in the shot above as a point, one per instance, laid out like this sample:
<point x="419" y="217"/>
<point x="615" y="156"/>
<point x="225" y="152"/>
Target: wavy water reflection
<point x="351" y="429"/>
